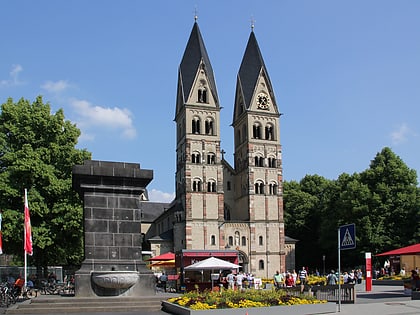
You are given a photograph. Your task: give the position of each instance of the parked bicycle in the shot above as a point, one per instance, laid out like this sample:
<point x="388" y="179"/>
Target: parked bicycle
<point x="52" y="287"/>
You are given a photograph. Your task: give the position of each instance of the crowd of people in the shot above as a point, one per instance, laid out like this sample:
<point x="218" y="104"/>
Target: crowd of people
<point x="238" y="280"/>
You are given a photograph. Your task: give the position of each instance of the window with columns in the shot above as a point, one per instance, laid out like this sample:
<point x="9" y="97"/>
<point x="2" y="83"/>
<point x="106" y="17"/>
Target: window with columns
<point x="256" y="131"/>
<point x="196" y="186"/>
<point x="209" y="127"/>
<point x="196" y="125"/>
<point x="211" y="186"/>
<point x="259" y="188"/>
<point x="272" y="162"/>
<point x="272" y="188"/>
<point x="269" y="132"/>
<point x="196" y="157"/>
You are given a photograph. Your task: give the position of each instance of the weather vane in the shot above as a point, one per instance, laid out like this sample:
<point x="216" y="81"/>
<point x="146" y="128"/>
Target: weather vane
<point x="195" y="14"/>
<point x="252" y="23"/>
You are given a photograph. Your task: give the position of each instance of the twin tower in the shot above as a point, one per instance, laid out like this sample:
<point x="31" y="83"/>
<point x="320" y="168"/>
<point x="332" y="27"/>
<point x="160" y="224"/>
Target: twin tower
<point x="219" y="206"/>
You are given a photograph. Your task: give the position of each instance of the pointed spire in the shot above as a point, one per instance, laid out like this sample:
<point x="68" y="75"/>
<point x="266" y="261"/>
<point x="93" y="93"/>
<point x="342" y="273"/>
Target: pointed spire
<point x="251" y="67"/>
<point x="194" y="54"/>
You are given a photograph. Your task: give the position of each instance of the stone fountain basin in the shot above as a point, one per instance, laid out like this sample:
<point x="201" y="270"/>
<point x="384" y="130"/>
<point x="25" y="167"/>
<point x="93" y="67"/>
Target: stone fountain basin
<point x="115" y="279"/>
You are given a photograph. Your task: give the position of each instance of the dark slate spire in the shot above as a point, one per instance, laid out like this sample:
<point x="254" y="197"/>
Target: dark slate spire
<point x="194" y="54"/>
<point x="251" y="67"/>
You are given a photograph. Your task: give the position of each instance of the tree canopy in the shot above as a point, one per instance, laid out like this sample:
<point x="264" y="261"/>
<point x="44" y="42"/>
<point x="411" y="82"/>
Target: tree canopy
<point x="383" y="202"/>
<point x="37" y="152"/>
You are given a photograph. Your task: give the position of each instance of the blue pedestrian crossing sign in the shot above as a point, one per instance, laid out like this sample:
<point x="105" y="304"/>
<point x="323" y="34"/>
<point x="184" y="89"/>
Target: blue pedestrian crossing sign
<point x="348" y="236"/>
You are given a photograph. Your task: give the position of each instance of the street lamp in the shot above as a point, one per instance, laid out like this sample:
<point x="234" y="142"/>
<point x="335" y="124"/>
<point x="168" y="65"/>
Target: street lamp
<point x="323" y="263"/>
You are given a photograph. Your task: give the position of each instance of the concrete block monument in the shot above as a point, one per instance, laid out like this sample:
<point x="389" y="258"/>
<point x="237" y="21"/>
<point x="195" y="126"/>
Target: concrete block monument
<point x="113" y="265"/>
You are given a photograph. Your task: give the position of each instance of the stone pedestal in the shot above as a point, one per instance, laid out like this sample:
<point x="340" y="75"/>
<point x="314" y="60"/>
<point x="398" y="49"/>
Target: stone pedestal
<point x="113" y="265"/>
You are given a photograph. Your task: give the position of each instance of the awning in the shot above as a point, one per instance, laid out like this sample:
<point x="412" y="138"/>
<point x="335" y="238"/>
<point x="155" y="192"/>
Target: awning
<point x="163" y="263"/>
<point x="412" y="249"/>
<point x="166" y="256"/>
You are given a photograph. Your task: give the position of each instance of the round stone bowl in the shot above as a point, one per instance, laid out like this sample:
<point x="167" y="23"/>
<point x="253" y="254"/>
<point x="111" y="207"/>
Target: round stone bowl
<point x="115" y="279"/>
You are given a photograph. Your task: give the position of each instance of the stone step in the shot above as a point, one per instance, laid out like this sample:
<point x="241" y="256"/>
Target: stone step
<point x="59" y="305"/>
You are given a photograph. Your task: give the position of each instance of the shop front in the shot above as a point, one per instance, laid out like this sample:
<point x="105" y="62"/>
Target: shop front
<point x="202" y="278"/>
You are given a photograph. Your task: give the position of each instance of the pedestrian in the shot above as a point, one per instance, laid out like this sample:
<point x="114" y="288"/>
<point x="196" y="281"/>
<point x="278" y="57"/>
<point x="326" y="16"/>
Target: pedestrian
<point x="332" y="278"/>
<point x="231" y="280"/>
<point x="163" y="279"/>
<point x="239" y="280"/>
<point x="278" y="280"/>
<point x="289" y="281"/>
<point x="303" y="275"/>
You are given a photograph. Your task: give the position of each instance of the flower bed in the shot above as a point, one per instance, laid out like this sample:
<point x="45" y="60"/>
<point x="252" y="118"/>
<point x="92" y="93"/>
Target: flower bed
<point x="234" y="302"/>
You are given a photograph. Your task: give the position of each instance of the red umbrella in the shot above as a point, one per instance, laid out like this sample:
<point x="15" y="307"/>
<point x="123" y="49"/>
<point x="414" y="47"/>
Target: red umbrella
<point x="166" y="256"/>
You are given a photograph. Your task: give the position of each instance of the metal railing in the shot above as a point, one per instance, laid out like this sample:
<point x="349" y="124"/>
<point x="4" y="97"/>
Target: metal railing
<point x="330" y="293"/>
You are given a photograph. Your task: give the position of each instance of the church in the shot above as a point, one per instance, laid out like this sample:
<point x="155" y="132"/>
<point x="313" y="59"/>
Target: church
<point x="221" y="208"/>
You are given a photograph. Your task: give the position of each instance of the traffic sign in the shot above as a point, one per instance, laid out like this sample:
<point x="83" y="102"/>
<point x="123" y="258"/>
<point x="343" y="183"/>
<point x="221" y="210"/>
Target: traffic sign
<point x="348" y="236"/>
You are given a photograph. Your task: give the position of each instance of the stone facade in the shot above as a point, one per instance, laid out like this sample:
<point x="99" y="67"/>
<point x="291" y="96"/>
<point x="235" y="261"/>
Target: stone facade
<point x="219" y="206"/>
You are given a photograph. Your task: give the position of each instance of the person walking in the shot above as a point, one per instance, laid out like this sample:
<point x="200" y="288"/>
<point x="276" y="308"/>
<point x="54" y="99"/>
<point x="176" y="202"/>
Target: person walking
<point x="332" y="278"/>
<point x="163" y="280"/>
<point x="278" y="280"/>
<point x="303" y="275"/>
<point x="231" y="281"/>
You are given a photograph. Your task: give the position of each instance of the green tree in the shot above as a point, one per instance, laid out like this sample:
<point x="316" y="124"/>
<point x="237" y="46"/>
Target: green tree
<point x="37" y="152"/>
<point x="304" y="205"/>
<point x="394" y="207"/>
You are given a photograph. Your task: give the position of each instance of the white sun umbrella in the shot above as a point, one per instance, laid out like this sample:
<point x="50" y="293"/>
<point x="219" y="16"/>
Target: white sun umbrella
<point x="212" y="263"/>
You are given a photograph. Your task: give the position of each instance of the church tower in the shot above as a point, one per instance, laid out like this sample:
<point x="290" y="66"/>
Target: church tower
<point x="220" y="209"/>
<point x="258" y="195"/>
<point x="199" y="172"/>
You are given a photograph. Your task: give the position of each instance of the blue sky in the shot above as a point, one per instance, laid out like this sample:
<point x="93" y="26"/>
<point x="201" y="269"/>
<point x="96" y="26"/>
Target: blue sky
<point x="346" y="75"/>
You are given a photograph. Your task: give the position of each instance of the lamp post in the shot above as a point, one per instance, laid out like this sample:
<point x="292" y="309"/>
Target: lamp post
<point x="323" y="263"/>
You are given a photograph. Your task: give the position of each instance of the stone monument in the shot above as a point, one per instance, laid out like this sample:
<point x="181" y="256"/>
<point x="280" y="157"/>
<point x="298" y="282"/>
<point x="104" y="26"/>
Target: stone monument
<point x="113" y="265"/>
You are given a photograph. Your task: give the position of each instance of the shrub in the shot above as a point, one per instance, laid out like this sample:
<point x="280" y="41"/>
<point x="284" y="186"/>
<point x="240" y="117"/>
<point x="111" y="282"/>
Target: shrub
<point x="240" y="299"/>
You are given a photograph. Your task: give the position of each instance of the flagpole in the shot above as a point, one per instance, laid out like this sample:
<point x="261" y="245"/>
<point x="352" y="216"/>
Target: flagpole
<point x="24" y="243"/>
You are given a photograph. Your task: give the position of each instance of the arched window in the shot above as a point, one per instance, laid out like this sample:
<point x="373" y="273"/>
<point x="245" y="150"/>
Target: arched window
<point x="261" y="264"/>
<point x="211" y="186"/>
<point x="272" y="188"/>
<point x="208" y="126"/>
<point x="256" y="131"/>
<point x="230" y="240"/>
<point x="272" y="162"/>
<point x="259" y="161"/>
<point x="269" y="132"/>
<point x="243" y="241"/>
<point x="213" y="240"/>
<point x="202" y="95"/>
<point x="211" y="158"/>
<point x="260" y="240"/>
<point x="196" y="185"/>
<point x="195" y="158"/>
<point x="196" y="125"/>
<point x="259" y="188"/>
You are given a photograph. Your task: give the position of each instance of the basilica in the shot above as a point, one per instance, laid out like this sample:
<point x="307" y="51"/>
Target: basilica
<point x="221" y="208"/>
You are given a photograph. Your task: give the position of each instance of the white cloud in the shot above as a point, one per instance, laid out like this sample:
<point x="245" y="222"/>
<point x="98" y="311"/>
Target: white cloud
<point x="13" y="76"/>
<point x="401" y="134"/>
<point x="104" y="117"/>
<point x="160" y="196"/>
<point x="55" y="87"/>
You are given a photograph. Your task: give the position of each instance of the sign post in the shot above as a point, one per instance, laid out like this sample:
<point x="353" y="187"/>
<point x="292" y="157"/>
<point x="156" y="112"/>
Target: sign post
<point x="346" y="240"/>
<point x="368" y="283"/>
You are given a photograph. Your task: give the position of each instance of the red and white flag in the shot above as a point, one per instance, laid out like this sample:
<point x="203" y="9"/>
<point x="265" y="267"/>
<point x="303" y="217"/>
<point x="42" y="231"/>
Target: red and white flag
<point x="27" y="228"/>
